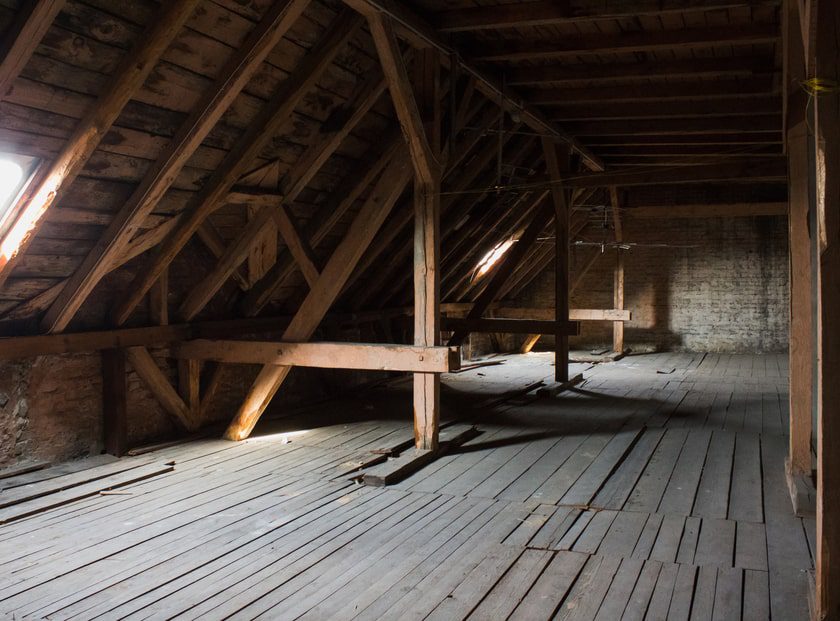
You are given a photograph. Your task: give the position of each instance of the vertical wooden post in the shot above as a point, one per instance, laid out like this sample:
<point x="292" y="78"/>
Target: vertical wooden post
<point x="557" y="162"/>
<point x="427" y="255"/>
<point x="114" y="409"/>
<point x="159" y="300"/>
<point x="826" y="106"/>
<point x="618" y="272"/>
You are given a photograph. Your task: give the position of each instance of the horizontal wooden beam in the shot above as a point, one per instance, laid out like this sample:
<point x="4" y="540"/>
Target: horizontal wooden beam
<point x="624" y="43"/>
<point x="551" y="12"/>
<point x="71" y="343"/>
<point x="758" y="169"/>
<point x="558" y="74"/>
<point x="745" y="105"/>
<point x="679" y="127"/>
<point x="720" y="89"/>
<point x="575" y="314"/>
<point x="507" y="326"/>
<point x="362" y="356"/>
<point x="720" y="210"/>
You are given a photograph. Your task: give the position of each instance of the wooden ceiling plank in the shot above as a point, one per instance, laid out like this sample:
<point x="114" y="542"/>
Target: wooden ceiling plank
<point x="21" y="39"/>
<point x="91" y="129"/>
<point x="274" y="115"/>
<point x="233" y="78"/>
<point x="333" y="277"/>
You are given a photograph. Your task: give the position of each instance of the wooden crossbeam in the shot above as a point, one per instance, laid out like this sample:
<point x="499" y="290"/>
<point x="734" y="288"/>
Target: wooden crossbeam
<point x="736" y="67"/>
<point x="362" y="356"/>
<point x="213" y="103"/>
<point x="276" y="113"/>
<point x="758" y="124"/>
<point x="722" y="89"/>
<point x="509" y="326"/>
<point x="342" y="262"/>
<point x="759" y="169"/>
<point x="22" y="37"/>
<point x="551" y="12"/>
<point x="646" y="41"/>
<point x="127" y="79"/>
<point x="158" y="384"/>
<point x="745" y="105"/>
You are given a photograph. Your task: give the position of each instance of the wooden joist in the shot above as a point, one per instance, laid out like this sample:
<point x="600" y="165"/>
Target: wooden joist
<point x="321" y="296"/>
<point x="363" y="356"/>
<point x="192" y="132"/>
<point x="551" y="12"/>
<point x="648" y="41"/>
<point x="274" y="115"/>
<point x="91" y="129"/>
<point x="31" y="22"/>
<point x="508" y="326"/>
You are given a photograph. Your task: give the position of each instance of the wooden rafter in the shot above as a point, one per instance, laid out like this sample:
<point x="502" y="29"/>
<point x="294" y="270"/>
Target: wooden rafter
<point x="425" y="161"/>
<point x="335" y="273"/>
<point x="127" y="79"/>
<point x="158" y="384"/>
<point x="274" y="115"/>
<point x="20" y="40"/>
<point x="300" y="82"/>
<point x="215" y="101"/>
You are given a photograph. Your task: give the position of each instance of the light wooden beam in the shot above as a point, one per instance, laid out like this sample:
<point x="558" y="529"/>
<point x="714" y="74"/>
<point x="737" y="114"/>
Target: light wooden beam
<point x="273" y="116"/>
<point x="158" y="384"/>
<point x="213" y="103"/>
<point x="551" y="12"/>
<point x="361" y="356"/>
<point x="618" y="271"/>
<point x="31" y="22"/>
<point x="336" y="272"/>
<point x="627" y="42"/>
<point x="509" y="326"/>
<point x="126" y="80"/>
<point x="425" y="160"/>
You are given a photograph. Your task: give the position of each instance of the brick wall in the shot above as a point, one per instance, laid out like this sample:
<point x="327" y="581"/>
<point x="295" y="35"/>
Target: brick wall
<point x="720" y="285"/>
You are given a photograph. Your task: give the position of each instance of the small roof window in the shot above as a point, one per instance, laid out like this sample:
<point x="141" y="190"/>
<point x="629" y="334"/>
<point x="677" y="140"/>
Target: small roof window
<point x="16" y="172"/>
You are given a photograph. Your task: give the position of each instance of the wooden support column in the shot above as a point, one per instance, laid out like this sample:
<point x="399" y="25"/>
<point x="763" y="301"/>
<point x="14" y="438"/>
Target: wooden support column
<point x="159" y="300"/>
<point x="114" y="404"/>
<point x="557" y="163"/>
<point x="189" y="377"/>
<point x="802" y="321"/>
<point x="427" y="254"/>
<point x="618" y="272"/>
<point x="827" y="128"/>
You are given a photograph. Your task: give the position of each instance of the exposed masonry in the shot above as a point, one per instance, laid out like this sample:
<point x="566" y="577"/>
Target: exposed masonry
<point x="721" y="286"/>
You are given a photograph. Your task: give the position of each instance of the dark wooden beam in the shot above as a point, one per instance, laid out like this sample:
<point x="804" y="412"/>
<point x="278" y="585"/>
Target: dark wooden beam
<point x="114" y="402"/>
<point x="624" y="43"/>
<point x="680" y="127"/>
<point x="708" y="210"/>
<point x="551" y="12"/>
<point x="745" y="105"/>
<point x="509" y="326"/>
<point x="559" y="74"/>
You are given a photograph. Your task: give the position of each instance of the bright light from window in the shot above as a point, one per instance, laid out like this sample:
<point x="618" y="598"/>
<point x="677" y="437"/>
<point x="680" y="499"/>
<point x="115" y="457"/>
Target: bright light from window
<point x="491" y="258"/>
<point x="11" y="175"/>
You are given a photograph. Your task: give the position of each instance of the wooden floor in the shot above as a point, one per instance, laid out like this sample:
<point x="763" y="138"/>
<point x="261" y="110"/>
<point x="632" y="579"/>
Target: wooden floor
<point x="655" y="491"/>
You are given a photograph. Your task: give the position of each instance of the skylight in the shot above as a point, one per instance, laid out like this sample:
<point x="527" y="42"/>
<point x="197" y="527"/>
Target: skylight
<point x="15" y="173"/>
<point x="491" y="258"/>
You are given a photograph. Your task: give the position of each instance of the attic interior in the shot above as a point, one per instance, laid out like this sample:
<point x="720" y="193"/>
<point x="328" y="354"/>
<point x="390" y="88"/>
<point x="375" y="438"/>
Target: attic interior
<point x="558" y="277"/>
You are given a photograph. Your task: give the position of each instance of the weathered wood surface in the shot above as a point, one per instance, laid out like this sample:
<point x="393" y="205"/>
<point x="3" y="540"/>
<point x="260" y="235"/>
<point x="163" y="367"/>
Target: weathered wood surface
<point x="603" y="508"/>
